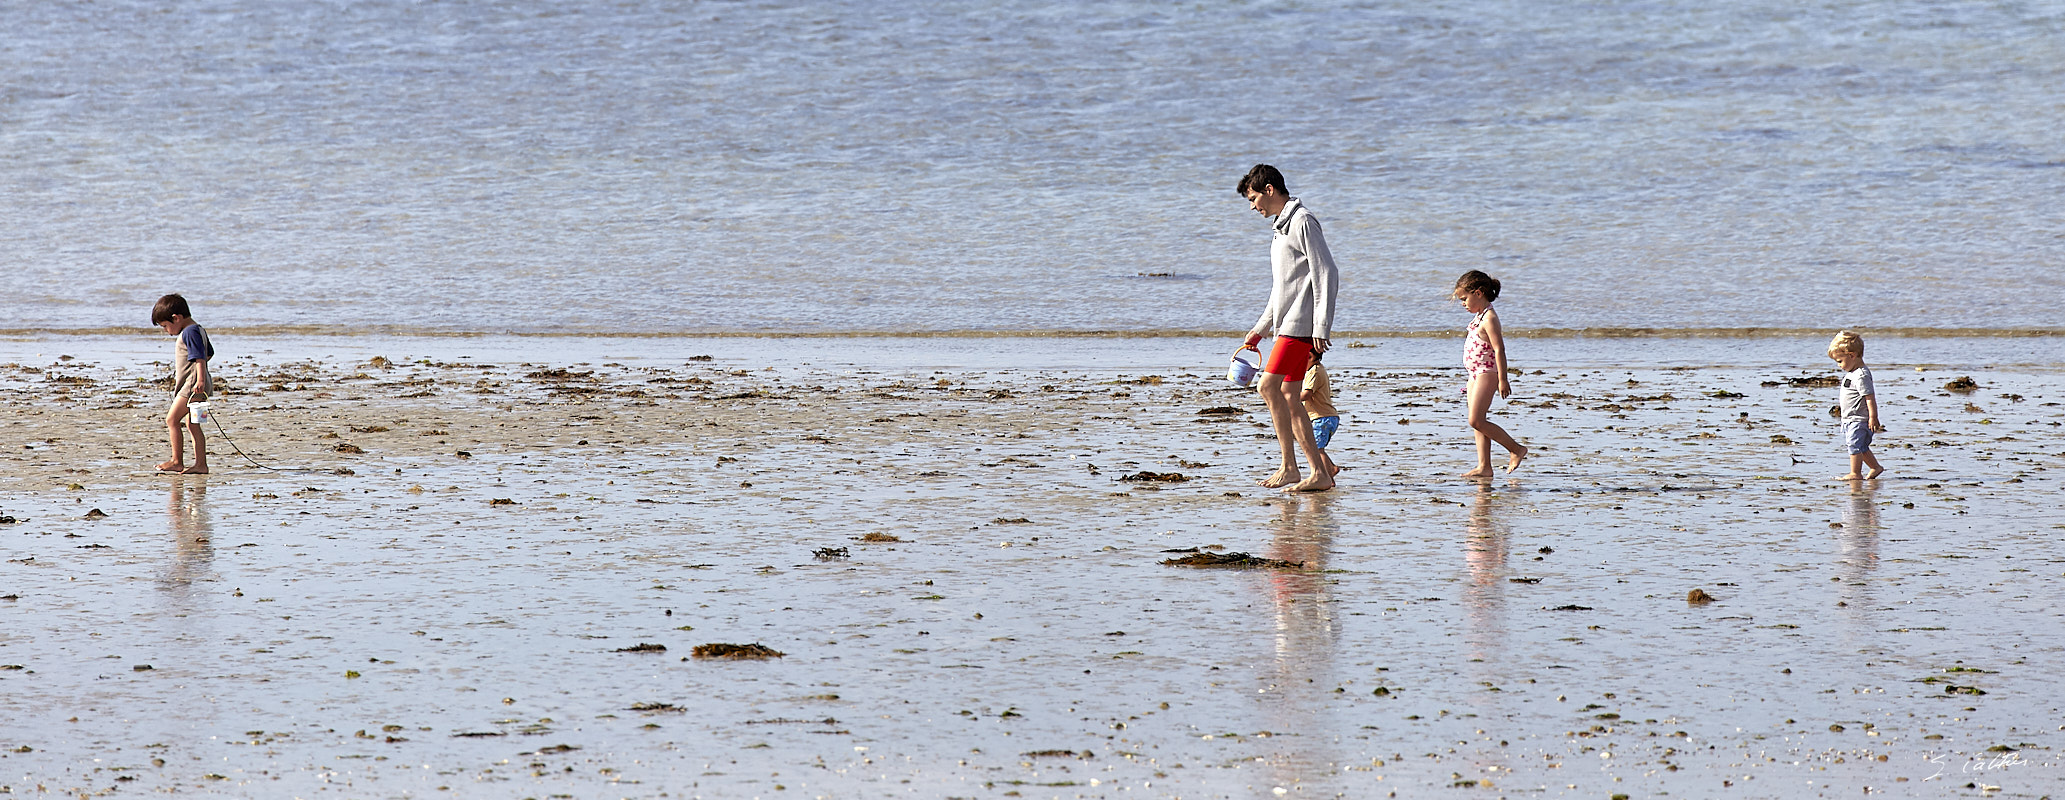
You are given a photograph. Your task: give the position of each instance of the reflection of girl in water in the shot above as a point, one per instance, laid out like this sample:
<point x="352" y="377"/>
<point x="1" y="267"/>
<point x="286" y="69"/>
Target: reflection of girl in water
<point x="1485" y="540"/>
<point x="1485" y="549"/>
<point x="1484" y="560"/>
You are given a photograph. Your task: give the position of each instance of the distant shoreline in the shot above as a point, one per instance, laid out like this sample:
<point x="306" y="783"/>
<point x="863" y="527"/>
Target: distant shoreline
<point x="1524" y="333"/>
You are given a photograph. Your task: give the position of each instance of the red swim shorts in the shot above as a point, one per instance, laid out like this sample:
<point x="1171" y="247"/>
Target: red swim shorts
<point x="1290" y="356"/>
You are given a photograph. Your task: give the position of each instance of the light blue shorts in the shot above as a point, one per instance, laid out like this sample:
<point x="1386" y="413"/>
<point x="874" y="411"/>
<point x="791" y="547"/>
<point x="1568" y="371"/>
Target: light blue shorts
<point x="1857" y="436"/>
<point x="1323" y="429"/>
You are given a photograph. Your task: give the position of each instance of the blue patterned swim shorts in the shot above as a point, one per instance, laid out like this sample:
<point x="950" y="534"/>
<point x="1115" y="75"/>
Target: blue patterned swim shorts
<point x="1323" y="429"/>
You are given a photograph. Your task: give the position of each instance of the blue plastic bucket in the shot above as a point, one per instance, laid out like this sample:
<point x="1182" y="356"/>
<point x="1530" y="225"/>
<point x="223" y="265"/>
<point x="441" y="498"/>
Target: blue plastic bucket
<point x="1242" y="371"/>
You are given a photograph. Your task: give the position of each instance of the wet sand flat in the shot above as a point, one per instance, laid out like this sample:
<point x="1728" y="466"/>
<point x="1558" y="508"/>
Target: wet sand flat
<point x="481" y="568"/>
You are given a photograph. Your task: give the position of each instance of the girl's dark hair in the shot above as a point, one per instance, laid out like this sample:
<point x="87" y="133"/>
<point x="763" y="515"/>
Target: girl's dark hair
<point x="169" y="306"/>
<point x="1261" y="175"/>
<point x="1477" y="281"/>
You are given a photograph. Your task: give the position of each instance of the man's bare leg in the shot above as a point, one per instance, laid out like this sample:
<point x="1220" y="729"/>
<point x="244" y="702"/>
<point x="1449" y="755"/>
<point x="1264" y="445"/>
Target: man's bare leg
<point x="1322" y="477"/>
<point x="1280" y="395"/>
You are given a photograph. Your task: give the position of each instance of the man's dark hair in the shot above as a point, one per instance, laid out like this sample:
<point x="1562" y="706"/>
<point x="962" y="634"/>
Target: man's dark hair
<point x="1476" y="281"/>
<point x="169" y="306"/>
<point x="1262" y="175"/>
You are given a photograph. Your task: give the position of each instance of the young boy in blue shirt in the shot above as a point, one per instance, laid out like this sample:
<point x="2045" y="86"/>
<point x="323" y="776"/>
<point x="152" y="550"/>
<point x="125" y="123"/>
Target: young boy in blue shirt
<point x="190" y="381"/>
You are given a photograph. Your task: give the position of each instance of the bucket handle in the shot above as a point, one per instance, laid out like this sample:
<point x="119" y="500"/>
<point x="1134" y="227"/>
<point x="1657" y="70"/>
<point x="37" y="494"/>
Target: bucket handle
<point x="1249" y="347"/>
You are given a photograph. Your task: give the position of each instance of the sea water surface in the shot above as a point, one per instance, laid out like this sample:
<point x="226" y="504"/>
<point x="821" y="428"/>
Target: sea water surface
<point x="828" y="167"/>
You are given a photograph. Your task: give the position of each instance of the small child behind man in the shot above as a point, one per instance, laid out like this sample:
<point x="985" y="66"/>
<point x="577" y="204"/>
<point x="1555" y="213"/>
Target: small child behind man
<point x="190" y="382"/>
<point x="1860" y="406"/>
<point x="1318" y="398"/>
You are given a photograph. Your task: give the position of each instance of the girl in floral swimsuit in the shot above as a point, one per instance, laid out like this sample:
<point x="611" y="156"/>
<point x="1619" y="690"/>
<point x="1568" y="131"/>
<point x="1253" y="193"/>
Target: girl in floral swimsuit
<point x="1484" y="355"/>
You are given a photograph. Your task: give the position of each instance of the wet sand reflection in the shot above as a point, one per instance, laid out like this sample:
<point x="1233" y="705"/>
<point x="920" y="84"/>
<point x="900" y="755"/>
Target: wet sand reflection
<point x="1299" y="681"/>
<point x="193" y="548"/>
<point x="1857" y="550"/>
<point x="1485" y="543"/>
<point x="1487" y="535"/>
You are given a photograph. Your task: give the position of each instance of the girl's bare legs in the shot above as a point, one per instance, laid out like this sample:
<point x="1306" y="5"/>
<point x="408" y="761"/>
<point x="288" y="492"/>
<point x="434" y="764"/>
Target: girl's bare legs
<point x="1483" y="387"/>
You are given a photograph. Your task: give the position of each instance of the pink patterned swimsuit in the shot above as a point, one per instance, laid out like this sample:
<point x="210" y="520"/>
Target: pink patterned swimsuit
<point x="1477" y="354"/>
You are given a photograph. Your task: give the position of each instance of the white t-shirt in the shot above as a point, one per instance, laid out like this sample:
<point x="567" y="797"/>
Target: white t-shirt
<point x="1856" y="387"/>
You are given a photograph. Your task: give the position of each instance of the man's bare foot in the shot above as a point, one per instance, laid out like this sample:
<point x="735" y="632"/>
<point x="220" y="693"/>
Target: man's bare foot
<point x="1312" y="484"/>
<point x="170" y="466"/>
<point x="1851" y="477"/>
<point x="197" y="469"/>
<point x="1514" y="462"/>
<point x="1280" y="479"/>
<point x="1480" y="472"/>
<point x="1875" y="473"/>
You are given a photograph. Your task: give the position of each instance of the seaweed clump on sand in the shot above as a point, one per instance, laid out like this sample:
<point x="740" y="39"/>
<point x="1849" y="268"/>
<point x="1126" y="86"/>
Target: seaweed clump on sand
<point x="1963" y="384"/>
<point x="735" y="651"/>
<point x="643" y="647"/>
<point x="1156" y="477"/>
<point x="1815" y="382"/>
<point x="1231" y="561"/>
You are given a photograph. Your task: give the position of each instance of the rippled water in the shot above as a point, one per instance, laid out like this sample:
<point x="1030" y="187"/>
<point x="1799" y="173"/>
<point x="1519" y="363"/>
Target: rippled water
<point x="830" y="167"/>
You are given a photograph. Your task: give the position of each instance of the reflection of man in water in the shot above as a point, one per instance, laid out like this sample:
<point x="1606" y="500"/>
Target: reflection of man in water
<point x="1297" y="686"/>
<point x="1304" y="532"/>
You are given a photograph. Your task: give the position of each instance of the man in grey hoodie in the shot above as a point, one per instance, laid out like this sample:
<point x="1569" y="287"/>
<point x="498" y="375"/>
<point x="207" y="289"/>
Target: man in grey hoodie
<point x="1301" y="313"/>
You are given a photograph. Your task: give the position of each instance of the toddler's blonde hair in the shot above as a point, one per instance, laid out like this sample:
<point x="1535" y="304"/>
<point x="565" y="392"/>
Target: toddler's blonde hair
<point x="1846" y="342"/>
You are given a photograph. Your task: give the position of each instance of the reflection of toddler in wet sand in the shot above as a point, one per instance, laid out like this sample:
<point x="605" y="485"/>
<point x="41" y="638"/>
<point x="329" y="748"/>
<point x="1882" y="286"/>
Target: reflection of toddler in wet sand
<point x="1484" y="354"/>
<point x="1319" y="405"/>
<point x="190" y="381"/>
<point x="1860" y="406"/>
